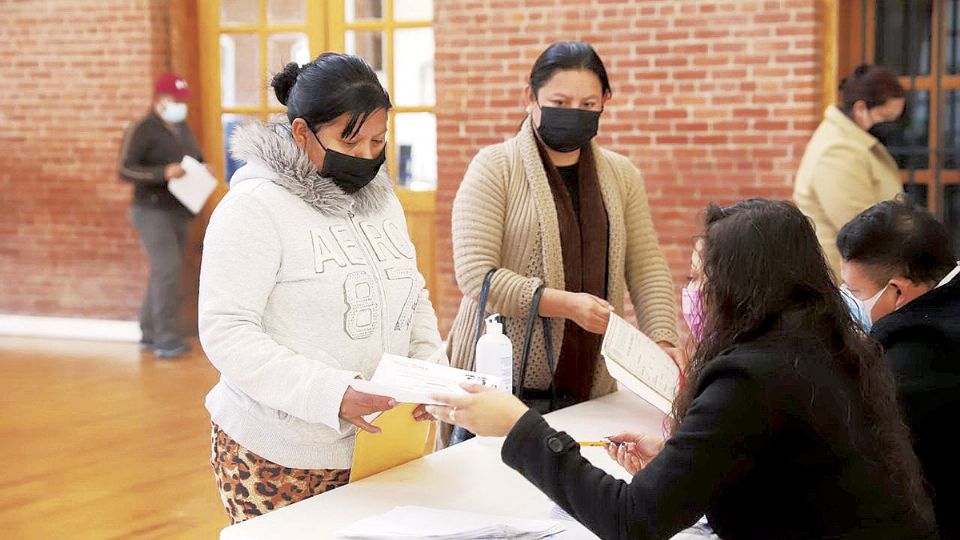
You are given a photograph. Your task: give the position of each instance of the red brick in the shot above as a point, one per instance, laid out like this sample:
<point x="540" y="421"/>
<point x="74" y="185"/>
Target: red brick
<point x="66" y="244"/>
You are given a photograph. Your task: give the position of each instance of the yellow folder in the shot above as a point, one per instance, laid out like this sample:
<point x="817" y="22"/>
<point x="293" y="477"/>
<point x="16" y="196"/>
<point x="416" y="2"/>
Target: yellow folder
<point x="401" y="439"/>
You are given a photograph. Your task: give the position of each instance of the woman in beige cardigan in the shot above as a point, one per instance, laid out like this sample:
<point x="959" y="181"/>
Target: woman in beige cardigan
<point x="845" y="168"/>
<point x="551" y="207"/>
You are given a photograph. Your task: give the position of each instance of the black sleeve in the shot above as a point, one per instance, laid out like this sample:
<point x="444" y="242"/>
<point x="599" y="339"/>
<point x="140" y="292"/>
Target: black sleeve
<point x="131" y="167"/>
<point x="714" y="444"/>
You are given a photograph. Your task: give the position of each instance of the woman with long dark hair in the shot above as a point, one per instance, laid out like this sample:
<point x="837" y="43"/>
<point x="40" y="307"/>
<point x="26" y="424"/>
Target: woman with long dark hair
<point x="787" y="427"/>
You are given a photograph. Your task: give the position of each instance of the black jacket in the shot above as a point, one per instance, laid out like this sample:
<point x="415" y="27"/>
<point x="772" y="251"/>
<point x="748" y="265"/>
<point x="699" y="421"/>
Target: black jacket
<point x="774" y="446"/>
<point x="149" y="146"/>
<point x="922" y="342"/>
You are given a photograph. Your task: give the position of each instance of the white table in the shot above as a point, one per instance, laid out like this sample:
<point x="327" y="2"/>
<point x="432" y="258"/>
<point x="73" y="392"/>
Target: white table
<point x="469" y="476"/>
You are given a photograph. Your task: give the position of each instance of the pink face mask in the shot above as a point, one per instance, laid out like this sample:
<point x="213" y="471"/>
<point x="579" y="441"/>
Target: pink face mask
<point x="692" y="311"/>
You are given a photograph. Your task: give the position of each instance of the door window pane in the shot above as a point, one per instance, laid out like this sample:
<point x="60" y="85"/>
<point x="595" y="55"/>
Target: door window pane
<point x="363" y="9"/>
<point x="239" y="11"/>
<point x="952" y="38"/>
<point x="283" y="48"/>
<point x="240" y="74"/>
<point x="951" y="129"/>
<point x="413" y="10"/>
<point x="369" y="46"/>
<point x="413" y="67"/>
<point x="909" y="140"/>
<point x="416" y="144"/>
<point x="229" y="123"/>
<point x="903" y="36"/>
<point x="286" y="11"/>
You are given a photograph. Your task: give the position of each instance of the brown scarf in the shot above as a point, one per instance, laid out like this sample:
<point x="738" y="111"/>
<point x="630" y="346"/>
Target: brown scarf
<point x="584" y="248"/>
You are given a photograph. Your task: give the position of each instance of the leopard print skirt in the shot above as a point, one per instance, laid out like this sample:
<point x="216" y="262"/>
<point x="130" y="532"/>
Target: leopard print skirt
<point x="251" y="485"/>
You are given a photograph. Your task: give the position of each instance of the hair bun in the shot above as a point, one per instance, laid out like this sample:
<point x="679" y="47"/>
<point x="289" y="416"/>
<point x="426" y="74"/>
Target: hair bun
<point x="861" y="70"/>
<point x="283" y="81"/>
<point x="858" y="73"/>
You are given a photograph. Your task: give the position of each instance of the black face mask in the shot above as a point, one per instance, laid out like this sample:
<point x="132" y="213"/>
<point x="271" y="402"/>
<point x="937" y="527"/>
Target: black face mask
<point x="349" y="173"/>
<point x="886" y="132"/>
<point x="566" y="130"/>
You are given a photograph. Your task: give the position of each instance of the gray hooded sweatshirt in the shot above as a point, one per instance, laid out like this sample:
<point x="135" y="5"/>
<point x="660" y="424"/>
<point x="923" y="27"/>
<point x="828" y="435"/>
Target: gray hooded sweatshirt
<point x="303" y="288"/>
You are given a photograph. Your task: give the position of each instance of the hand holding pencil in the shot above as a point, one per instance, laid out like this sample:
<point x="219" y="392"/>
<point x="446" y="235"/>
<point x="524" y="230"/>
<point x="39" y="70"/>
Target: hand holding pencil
<point x="633" y="451"/>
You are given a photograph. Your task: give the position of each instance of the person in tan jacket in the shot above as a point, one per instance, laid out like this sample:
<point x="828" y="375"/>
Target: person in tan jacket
<point x="845" y="168"/>
<point x="552" y="207"/>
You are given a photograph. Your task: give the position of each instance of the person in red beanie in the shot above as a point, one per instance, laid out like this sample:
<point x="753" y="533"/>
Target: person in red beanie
<point x="150" y="155"/>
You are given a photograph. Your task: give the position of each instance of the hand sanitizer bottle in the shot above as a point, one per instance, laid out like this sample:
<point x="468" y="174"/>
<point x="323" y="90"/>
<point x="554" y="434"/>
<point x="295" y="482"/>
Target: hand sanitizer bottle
<point x="495" y="353"/>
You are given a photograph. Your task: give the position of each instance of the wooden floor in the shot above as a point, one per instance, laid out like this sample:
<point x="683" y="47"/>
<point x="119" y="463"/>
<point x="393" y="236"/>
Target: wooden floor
<point x="100" y="441"/>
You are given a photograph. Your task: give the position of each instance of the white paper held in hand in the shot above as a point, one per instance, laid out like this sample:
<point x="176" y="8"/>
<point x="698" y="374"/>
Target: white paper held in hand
<point x="193" y="188"/>
<point x="637" y="362"/>
<point x="408" y="380"/>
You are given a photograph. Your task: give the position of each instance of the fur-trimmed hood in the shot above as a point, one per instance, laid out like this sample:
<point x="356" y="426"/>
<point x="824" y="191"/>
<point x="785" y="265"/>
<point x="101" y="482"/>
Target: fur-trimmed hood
<point x="270" y="146"/>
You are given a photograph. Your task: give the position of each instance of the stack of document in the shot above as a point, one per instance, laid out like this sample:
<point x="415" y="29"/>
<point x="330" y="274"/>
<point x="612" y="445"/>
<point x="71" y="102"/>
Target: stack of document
<point x="431" y="523"/>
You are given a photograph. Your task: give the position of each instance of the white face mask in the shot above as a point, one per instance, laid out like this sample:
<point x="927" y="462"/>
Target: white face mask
<point x="868" y="304"/>
<point x="174" y="112"/>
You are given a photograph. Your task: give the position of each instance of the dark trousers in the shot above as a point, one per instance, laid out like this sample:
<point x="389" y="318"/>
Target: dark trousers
<point x="164" y="236"/>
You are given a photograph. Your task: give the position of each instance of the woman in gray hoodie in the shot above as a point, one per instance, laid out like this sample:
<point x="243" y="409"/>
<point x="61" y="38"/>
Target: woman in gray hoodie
<point x="308" y="277"/>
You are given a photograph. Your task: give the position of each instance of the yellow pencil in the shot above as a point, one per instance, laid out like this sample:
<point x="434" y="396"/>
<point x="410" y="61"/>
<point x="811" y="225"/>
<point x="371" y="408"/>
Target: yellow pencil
<point x="599" y="443"/>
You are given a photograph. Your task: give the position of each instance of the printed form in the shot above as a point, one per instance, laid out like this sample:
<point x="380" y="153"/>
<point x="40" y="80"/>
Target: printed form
<point x="638" y="363"/>
<point x="408" y="380"/>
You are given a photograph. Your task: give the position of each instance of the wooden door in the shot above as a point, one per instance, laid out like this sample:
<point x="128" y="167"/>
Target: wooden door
<point x="242" y="43"/>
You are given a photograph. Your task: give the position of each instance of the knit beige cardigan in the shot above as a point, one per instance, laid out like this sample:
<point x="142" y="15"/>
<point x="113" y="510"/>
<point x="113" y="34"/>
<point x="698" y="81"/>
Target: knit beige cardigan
<point x="504" y="217"/>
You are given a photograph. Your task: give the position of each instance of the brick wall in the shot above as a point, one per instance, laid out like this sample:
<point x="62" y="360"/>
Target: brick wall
<point x="714" y="101"/>
<point x="73" y="75"/>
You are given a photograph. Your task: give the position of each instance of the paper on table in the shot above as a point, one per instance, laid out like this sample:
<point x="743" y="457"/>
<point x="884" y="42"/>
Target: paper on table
<point x="194" y="188"/>
<point x="412" y="381"/>
<point x="637" y="362"/>
<point x="559" y="513"/>
<point x="432" y="523"/>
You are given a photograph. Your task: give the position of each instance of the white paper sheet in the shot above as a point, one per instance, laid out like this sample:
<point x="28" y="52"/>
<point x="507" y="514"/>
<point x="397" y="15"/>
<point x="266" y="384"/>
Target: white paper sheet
<point x="638" y="363"/>
<point x="194" y="188"/>
<point x="412" y="381"/>
<point x="431" y="523"/>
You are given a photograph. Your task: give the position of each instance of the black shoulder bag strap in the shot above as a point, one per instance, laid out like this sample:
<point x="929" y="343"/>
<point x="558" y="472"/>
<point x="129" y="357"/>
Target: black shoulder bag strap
<point x="528" y="342"/>
<point x="481" y="315"/>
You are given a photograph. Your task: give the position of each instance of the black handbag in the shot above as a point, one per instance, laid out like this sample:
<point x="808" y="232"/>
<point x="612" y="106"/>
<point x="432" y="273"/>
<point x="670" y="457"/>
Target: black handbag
<point x="543" y="401"/>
